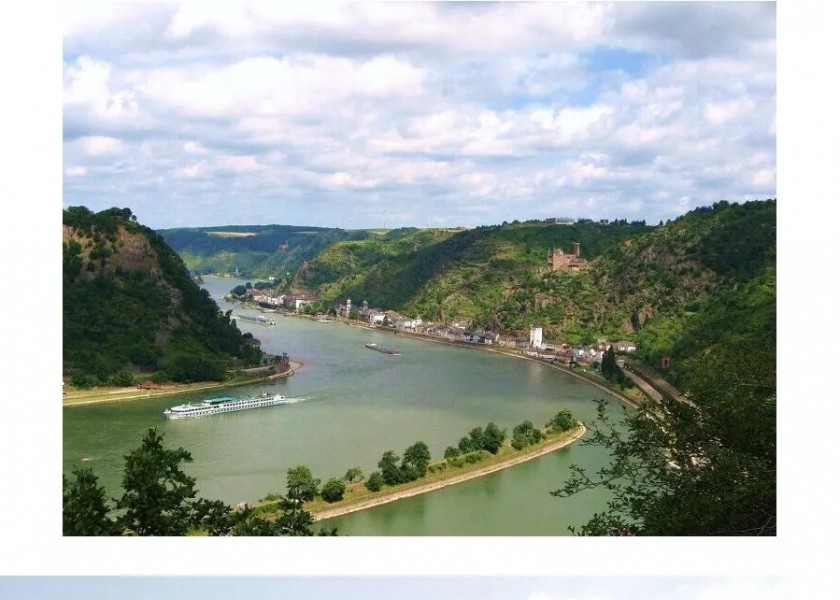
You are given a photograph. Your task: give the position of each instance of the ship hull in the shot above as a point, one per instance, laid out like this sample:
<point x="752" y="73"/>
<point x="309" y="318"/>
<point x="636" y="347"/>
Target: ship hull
<point x="205" y="410"/>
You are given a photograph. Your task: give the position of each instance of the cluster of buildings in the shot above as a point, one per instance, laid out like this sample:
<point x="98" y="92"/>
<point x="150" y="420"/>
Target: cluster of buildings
<point x="559" y="351"/>
<point x="463" y="331"/>
<point x="290" y="301"/>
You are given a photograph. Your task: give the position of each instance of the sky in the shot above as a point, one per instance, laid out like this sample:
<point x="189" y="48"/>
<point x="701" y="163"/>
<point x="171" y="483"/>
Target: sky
<point x="398" y="588"/>
<point x="416" y="114"/>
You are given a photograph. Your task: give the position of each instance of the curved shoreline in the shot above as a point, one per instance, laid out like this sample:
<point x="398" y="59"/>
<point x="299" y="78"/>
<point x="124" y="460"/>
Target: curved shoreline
<point x="484" y="348"/>
<point x="110" y="397"/>
<point x="331" y="513"/>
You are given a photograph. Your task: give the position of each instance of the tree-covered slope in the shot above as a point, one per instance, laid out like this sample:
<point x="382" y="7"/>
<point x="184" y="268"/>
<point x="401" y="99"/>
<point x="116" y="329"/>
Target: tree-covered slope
<point x="129" y="302"/>
<point x="446" y="273"/>
<point x="638" y="277"/>
<point x="255" y="251"/>
<point x="666" y="273"/>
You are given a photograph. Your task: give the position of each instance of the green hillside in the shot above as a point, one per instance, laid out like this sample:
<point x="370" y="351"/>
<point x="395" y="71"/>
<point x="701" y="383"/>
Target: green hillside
<point x="443" y="273"/>
<point x="643" y="283"/>
<point x="254" y="251"/>
<point x="129" y="303"/>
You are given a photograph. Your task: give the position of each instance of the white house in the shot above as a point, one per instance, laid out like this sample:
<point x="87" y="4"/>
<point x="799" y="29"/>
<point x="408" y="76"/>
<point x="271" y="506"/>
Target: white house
<point x="625" y="346"/>
<point x="375" y="317"/>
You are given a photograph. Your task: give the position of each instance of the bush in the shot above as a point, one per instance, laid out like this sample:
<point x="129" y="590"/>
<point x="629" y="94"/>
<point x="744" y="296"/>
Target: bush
<point x="477" y="456"/>
<point x="83" y="380"/>
<point x="375" y="482"/>
<point x="519" y="441"/>
<point x="333" y="490"/>
<point x="456" y="461"/>
<point x="161" y="377"/>
<point x="122" y="379"/>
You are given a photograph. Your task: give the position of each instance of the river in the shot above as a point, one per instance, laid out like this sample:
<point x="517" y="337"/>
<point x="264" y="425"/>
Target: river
<point x="354" y="404"/>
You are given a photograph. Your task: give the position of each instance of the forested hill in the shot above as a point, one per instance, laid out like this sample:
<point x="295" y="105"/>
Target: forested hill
<point x="637" y="276"/>
<point x="129" y="303"/>
<point x="443" y="274"/>
<point x="253" y="251"/>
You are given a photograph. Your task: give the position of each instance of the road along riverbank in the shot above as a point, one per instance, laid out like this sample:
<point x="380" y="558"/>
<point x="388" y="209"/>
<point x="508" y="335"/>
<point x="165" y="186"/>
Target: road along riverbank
<point x="111" y="395"/>
<point x="361" y="499"/>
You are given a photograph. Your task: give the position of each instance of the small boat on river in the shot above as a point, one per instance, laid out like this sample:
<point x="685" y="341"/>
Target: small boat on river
<point x="378" y="348"/>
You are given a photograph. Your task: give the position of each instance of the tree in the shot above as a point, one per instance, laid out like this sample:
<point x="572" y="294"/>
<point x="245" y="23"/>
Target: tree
<point x="213" y="517"/>
<point x="375" y="482"/>
<point x="158" y="496"/>
<point x="562" y="421"/>
<point x="707" y="467"/>
<point x="391" y="473"/>
<point x="333" y="490"/>
<point x="450" y="452"/>
<point x="465" y="445"/>
<point x="493" y="438"/>
<point x="246" y="522"/>
<point x="301" y="484"/>
<point x="85" y="507"/>
<point x="353" y="475"/>
<point x="294" y="521"/>
<point x="610" y="368"/>
<point x="418" y="457"/>
<point x="525" y="434"/>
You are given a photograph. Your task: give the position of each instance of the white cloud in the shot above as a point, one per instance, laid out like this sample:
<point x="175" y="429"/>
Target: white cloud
<point x="718" y="113"/>
<point x="238" y="164"/>
<point x="193" y="147"/>
<point x="471" y="105"/>
<point x="75" y="171"/>
<point x="191" y="171"/>
<point x="99" y="145"/>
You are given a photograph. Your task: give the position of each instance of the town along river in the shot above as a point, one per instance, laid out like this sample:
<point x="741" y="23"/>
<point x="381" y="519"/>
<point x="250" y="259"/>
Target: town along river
<point x="354" y="405"/>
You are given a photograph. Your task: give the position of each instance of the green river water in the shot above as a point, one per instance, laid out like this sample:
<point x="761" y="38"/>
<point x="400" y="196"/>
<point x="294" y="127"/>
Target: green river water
<point x="354" y="404"/>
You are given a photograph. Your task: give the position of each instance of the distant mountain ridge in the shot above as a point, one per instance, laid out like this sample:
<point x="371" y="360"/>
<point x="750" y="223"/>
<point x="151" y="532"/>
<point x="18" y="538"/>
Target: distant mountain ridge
<point x="252" y="251"/>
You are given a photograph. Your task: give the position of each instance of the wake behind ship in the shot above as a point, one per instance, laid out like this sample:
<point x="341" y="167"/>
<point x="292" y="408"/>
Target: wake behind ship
<point x="223" y="405"/>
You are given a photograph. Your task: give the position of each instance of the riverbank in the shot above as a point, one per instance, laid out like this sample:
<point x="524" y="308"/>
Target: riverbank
<point x="633" y="402"/>
<point x="359" y="498"/>
<point x="111" y="395"/>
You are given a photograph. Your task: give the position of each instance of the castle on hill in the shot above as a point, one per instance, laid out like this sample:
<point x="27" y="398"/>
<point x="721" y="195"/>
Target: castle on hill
<point x="560" y="261"/>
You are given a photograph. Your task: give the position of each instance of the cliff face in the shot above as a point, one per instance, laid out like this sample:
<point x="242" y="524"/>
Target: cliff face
<point x="130" y="303"/>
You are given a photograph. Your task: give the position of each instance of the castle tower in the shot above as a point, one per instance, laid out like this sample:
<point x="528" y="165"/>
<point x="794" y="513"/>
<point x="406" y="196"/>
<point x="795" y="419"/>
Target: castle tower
<point x="576" y="249"/>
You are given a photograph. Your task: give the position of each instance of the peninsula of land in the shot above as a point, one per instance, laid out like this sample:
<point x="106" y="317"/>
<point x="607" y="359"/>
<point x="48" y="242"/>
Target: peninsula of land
<point x="82" y="397"/>
<point x="359" y="498"/>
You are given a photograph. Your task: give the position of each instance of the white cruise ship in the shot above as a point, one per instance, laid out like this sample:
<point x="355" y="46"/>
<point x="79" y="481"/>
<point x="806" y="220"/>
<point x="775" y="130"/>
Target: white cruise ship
<point x="223" y="405"/>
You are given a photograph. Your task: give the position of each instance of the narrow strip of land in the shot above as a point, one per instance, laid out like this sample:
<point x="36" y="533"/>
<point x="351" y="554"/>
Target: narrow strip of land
<point x="419" y="487"/>
<point x="106" y="396"/>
